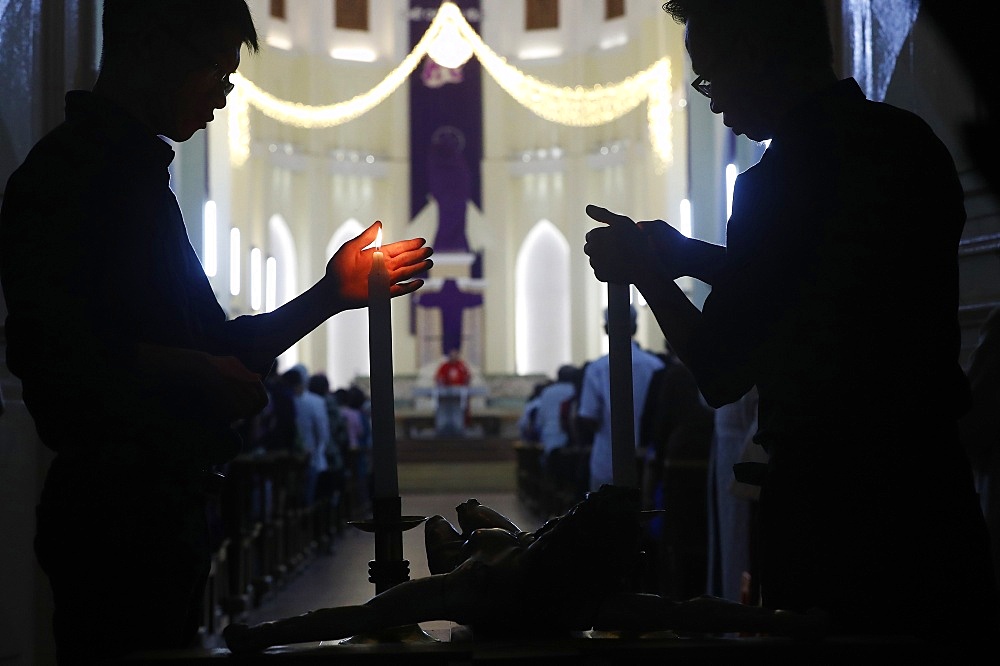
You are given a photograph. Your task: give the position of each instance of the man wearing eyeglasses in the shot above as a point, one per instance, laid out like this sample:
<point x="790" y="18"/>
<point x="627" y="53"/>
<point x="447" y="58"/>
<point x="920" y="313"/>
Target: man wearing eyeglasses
<point x="836" y="296"/>
<point x="130" y="368"/>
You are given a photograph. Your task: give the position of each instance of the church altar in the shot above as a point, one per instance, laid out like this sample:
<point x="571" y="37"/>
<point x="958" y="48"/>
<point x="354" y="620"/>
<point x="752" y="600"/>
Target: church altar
<point x="496" y="403"/>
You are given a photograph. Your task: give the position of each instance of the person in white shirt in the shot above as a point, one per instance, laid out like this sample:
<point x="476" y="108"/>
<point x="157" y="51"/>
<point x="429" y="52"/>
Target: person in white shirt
<point x="594" y="414"/>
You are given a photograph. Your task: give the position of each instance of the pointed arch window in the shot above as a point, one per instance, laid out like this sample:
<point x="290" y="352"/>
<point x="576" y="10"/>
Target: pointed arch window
<point x="282" y="248"/>
<point x="284" y="268"/>
<point x="347" y="354"/>
<point x="542" y="293"/>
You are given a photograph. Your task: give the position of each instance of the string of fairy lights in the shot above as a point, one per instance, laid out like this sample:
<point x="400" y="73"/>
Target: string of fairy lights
<point x="450" y="41"/>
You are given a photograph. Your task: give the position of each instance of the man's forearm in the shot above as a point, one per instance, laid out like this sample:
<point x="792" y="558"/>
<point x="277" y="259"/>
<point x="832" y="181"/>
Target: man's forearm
<point x="676" y="315"/>
<point x="721" y="380"/>
<point x="704" y="260"/>
<point x="274" y="332"/>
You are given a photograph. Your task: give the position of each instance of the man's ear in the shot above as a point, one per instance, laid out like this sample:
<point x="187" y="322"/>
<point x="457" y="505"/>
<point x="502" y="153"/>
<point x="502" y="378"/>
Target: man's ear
<point x="159" y="53"/>
<point x="761" y="60"/>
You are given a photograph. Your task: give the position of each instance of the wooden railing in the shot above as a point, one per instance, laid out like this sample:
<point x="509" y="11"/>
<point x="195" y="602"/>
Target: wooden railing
<point x="266" y="532"/>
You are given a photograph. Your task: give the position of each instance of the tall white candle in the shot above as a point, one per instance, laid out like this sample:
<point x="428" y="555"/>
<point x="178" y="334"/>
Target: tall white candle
<point x="384" y="467"/>
<point x="623" y="462"/>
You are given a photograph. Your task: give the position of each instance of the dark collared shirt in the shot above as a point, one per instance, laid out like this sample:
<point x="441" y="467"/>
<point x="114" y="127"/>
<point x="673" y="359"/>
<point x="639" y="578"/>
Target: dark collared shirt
<point x="95" y="258"/>
<point x="839" y="295"/>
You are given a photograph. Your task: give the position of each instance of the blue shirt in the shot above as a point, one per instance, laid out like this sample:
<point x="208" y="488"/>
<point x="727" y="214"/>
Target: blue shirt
<point x="595" y="404"/>
<point x="552" y="434"/>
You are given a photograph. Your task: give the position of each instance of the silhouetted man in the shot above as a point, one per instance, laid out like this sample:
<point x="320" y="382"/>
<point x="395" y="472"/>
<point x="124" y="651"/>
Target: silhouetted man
<point x="129" y="366"/>
<point x="837" y="295"/>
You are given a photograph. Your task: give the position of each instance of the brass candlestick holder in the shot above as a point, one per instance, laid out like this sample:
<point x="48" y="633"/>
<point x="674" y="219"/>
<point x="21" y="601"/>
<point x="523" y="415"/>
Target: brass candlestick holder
<point x="389" y="568"/>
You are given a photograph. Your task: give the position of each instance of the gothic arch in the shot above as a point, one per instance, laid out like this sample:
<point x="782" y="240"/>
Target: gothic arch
<point x="282" y="247"/>
<point x="542" y="297"/>
<point x="346" y="333"/>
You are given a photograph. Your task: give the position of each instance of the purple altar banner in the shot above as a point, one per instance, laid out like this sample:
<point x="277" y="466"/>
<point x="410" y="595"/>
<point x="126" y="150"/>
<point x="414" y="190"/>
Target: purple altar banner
<point x="446" y="132"/>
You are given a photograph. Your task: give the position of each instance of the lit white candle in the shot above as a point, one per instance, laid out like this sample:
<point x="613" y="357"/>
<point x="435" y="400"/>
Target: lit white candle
<point x="384" y="469"/>
<point x="623" y="463"/>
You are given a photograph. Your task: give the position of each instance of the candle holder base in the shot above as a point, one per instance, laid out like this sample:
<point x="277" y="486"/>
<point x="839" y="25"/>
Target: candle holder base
<point x="410" y="634"/>
<point x="388" y="573"/>
<point x="389" y="568"/>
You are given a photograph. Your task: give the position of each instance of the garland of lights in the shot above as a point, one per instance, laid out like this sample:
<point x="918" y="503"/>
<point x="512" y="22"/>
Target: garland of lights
<point x="451" y="41"/>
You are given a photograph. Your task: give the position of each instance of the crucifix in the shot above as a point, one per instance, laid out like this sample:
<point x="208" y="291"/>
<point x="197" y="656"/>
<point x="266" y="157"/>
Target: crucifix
<point x="452" y="302"/>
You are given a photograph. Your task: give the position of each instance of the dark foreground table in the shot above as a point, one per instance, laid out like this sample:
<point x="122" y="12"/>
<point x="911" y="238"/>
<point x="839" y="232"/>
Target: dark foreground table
<point x="454" y="647"/>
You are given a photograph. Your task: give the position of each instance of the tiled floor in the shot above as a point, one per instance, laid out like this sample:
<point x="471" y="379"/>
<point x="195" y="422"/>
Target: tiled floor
<point x="341" y="579"/>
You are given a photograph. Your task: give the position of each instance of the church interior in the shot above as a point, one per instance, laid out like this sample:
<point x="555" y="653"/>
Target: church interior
<point x="486" y="127"/>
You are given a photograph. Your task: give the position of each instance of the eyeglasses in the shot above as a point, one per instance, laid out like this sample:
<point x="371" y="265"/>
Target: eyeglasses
<point x="703" y="85"/>
<point x="223" y="80"/>
<point x="216" y="72"/>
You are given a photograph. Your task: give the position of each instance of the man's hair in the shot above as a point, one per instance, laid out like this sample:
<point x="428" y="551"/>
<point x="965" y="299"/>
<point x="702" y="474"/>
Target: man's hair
<point x="318" y="384"/>
<point x="794" y="31"/>
<point x="293" y="378"/>
<point x="125" y="21"/>
<point x="567" y="373"/>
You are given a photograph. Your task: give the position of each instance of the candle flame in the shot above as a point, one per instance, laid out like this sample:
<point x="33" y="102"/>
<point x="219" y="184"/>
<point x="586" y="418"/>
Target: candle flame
<point x="378" y="239"/>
